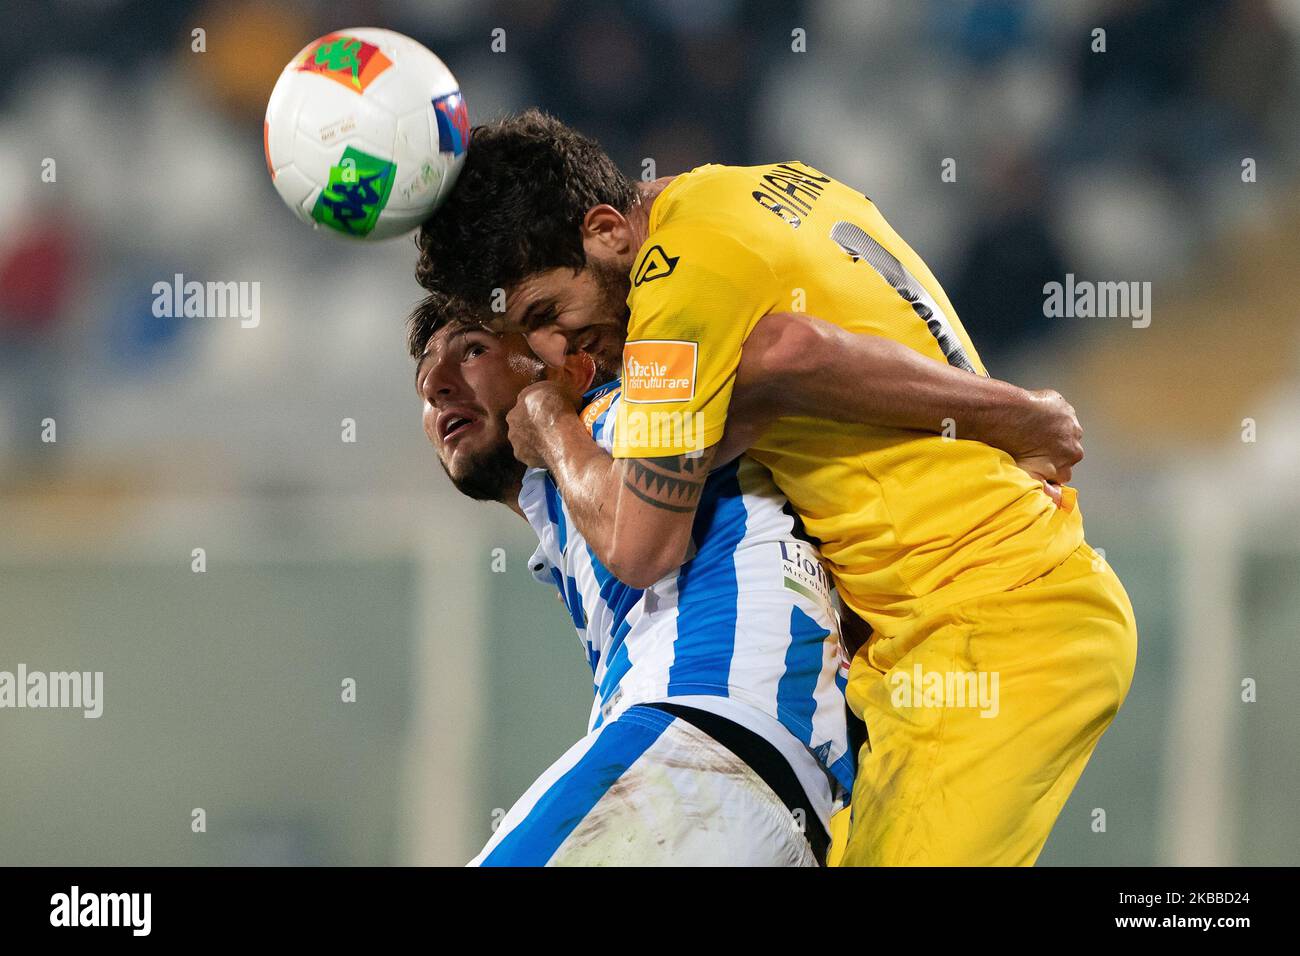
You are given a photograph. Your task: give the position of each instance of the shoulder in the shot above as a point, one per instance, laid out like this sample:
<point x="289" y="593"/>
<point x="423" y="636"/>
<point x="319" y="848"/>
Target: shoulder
<point x="684" y="253"/>
<point x="729" y="196"/>
<point x="717" y="183"/>
<point x="714" y="221"/>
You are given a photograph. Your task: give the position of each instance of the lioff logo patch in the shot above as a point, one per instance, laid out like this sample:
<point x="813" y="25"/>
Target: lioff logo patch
<point x="659" y="370"/>
<point x="453" y="123"/>
<point x="350" y="61"/>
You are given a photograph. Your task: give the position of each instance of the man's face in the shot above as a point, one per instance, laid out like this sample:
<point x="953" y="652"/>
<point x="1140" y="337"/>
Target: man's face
<point x="469" y="379"/>
<point x="562" y="311"/>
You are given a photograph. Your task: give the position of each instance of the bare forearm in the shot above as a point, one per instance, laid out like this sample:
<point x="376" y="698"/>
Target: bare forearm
<point x="796" y="364"/>
<point x="829" y="372"/>
<point x="587" y="478"/>
<point x="908" y="390"/>
<point x="635" y="514"/>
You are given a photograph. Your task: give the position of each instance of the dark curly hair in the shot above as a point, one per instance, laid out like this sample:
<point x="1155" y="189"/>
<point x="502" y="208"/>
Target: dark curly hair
<point x="517" y="205"/>
<point x="435" y="311"/>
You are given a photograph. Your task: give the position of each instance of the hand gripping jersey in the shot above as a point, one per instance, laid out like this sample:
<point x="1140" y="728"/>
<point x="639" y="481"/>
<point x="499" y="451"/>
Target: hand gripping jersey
<point x="744" y="629"/>
<point x="910" y="523"/>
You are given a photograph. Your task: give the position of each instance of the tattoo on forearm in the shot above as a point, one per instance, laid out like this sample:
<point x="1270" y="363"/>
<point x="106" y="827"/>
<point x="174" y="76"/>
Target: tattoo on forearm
<point x="671" y="484"/>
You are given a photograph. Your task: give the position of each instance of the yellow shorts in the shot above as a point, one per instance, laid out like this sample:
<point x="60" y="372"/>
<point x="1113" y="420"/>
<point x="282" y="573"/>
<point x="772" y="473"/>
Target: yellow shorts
<point x="981" y="719"/>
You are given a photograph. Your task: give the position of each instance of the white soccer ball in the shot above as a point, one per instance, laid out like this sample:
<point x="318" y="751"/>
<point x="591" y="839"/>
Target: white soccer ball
<point x="365" y="133"/>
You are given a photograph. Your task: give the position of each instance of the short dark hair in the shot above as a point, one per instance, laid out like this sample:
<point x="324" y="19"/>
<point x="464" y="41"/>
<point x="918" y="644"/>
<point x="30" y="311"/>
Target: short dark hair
<point x="433" y="313"/>
<point x="517" y="206"/>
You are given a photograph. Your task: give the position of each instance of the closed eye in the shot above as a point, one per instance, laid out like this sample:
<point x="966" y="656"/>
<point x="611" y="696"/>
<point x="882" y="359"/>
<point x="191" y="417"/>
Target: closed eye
<point x="539" y="315"/>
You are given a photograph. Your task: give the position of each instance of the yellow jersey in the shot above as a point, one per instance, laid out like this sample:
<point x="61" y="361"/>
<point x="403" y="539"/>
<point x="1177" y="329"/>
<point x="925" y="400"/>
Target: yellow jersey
<point x="908" y="522"/>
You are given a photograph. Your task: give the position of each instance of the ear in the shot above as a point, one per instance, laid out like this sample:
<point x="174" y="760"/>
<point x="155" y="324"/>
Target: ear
<point x="575" y="375"/>
<point x="606" y="230"/>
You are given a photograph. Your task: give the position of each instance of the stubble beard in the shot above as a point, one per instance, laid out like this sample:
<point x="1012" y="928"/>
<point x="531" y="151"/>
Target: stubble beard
<point x="491" y="473"/>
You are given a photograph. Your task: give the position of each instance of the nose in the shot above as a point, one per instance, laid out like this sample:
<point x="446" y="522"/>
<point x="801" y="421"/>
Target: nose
<point x="550" y="344"/>
<point x="443" y="382"/>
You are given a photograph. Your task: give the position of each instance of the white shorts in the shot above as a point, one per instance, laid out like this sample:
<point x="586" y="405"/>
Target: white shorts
<point x="649" y="789"/>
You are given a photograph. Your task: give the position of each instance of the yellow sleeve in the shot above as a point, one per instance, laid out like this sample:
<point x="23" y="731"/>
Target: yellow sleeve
<point x="696" y="295"/>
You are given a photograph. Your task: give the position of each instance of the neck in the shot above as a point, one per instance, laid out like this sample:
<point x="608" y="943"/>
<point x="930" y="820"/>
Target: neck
<point x="511" y="499"/>
<point x="639" y="215"/>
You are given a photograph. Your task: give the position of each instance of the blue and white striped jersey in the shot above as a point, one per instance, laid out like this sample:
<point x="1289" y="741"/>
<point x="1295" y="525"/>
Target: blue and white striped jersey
<point x="747" y="619"/>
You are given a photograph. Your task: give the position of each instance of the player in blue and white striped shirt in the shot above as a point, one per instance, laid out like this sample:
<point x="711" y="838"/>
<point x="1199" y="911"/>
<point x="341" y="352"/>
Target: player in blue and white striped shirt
<point x="719" y="732"/>
<point x="748" y="618"/>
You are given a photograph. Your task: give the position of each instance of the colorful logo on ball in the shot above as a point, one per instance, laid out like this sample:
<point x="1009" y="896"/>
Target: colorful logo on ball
<point x="357" y="191"/>
<point x="453" y="123"/>
<point x="347" y="60"/>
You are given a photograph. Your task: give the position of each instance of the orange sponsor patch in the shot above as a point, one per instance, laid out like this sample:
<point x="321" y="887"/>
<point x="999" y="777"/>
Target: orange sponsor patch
<point x="597" y="408"/>
<point x="659" y="370"/>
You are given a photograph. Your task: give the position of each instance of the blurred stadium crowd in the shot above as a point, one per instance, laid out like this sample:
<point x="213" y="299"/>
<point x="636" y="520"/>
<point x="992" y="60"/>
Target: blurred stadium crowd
<point x="1119" y="165"/>
<point x="130" y="155"/>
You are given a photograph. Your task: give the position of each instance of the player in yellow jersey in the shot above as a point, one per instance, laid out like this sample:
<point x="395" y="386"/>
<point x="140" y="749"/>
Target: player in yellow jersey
<point x="1003" y="645"/>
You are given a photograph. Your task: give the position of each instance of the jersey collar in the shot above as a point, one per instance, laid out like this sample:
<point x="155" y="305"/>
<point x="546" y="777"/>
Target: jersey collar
<point x="592" y="394"/>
